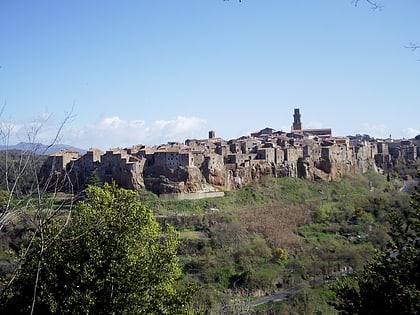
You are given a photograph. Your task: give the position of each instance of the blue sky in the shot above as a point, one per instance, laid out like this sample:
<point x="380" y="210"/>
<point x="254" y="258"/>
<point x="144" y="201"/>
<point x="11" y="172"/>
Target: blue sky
<point x="149" y="72"/>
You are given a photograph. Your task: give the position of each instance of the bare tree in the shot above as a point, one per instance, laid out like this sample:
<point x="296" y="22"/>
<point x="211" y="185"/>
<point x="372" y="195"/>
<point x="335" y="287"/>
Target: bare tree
<point x="373" y="4"/>
<point x="24" y="193"/>
<point x="412" y="46"/>
<point x="21" y="181"/>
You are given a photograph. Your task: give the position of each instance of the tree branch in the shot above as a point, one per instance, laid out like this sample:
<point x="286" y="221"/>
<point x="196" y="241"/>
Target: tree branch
<point x="373" y="4"/>
<point x="412" y="46"/>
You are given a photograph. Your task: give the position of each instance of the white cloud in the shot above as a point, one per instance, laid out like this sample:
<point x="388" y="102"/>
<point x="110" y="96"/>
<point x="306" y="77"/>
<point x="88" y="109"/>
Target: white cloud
<point x="180" y="128"/>
<point x="117" y="132"/>
<point x="376" y="131"/>
<point x="116" y="123"/>
<point x="40" y="129"/>
<point x="411" y="132"/>
<point x="9" y="132"/>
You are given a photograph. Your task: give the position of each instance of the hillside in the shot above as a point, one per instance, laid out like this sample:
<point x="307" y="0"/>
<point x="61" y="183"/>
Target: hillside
<point x="280" y="234"/>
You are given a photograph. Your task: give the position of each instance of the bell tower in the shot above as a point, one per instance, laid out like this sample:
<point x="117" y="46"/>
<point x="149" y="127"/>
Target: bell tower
<point x="297" y="124"/>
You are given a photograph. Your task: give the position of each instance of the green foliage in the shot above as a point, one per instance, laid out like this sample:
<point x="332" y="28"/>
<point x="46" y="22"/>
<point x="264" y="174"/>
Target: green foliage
<point x="280" y="254"/>
<point x="4" y="199"/>
<point x="21" y="169"/>
<point x="94" y="179"/>
<point x="390" y="284"/>
<point x="111" y="259"/>
<point x="307" y="302"/>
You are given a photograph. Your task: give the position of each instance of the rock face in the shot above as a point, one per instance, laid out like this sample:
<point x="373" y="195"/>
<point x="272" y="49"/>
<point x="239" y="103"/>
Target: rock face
<point x="334" y="162"/>
<point x="183" y="179"/>
<point x="214" y="171"/>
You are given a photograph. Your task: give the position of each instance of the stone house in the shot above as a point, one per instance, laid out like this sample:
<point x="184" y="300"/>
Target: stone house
<point x="124" y="169"/>
<point x="267" y="154"/>
<point x="172" y="159"/>
<point x="250" y="145"/>
<point x="58" y="162"/>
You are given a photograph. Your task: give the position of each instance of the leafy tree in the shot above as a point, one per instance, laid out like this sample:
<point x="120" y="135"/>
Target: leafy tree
<point x="94" y="179"/>
<point x="112" y="258"/>
<point x="391" y="283"/>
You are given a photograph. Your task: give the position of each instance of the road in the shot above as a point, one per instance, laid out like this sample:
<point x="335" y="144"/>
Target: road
<point x="287" y="294"/>
<point x="409" y="185"/>
<point x="277" y="297"/>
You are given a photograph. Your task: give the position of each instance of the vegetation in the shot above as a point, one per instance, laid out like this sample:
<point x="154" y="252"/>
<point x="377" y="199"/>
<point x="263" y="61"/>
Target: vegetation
<point x="279" y="234"/>
<point x="19" y="168"/>
<point x="111" y="258"/>
<point x="390" y="284"/>
<point x="273" y="236"/>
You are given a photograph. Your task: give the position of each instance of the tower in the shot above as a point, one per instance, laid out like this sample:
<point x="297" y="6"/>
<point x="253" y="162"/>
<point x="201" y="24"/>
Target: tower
<point x="297" y="124"/>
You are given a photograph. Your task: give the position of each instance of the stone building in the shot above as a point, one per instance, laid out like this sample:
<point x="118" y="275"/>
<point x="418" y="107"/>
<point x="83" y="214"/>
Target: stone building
<point x="173" y="159"/>
<point x="126" y="170"/>
<point x="82" y="169"/>
<point x="297" y="124"/>
<point x="54" y="171"/>
<point x="267" y="154"/>
<point x="57" y="162"/>
<point x="250" y="145"/>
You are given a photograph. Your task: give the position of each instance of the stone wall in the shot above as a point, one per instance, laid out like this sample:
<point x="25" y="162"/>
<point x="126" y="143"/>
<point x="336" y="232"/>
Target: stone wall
<point x="192" y="196"/>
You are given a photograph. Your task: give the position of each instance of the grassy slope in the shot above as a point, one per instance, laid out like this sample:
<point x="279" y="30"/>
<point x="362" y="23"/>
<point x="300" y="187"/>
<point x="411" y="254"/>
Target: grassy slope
<point x="279" y="233"/>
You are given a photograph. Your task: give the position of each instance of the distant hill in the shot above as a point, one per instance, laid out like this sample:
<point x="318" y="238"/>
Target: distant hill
<point x="40" y="148"/>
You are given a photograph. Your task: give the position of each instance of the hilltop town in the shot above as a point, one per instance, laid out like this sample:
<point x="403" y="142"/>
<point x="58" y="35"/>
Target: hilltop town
<point x="207" y="167"/>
